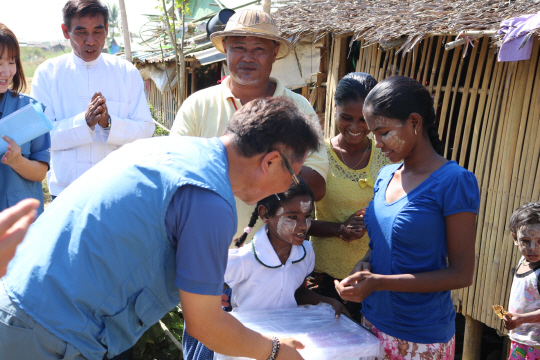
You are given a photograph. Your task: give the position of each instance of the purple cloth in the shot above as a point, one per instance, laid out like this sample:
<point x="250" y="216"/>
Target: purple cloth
<point x="516" y="29"/>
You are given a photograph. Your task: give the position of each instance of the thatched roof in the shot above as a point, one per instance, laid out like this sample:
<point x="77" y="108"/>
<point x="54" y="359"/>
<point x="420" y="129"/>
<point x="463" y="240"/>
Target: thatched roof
<point x="385" y="20"/>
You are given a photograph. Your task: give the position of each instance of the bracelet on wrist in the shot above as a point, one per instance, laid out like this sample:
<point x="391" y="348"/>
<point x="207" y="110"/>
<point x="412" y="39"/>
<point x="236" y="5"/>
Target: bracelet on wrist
<point x="275" y="348"/>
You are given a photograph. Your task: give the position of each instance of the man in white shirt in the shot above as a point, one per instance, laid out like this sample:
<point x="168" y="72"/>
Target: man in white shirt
<point x="96" y="101"/>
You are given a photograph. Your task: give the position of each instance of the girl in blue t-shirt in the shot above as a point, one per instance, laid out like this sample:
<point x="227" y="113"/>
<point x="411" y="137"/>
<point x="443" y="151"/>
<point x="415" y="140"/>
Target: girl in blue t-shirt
<point x="421" y="224"/>
<point x="22" y="168"/>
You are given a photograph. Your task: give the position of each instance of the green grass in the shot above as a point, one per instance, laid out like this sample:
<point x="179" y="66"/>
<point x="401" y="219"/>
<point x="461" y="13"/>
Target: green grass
<point x="31" y="58"/>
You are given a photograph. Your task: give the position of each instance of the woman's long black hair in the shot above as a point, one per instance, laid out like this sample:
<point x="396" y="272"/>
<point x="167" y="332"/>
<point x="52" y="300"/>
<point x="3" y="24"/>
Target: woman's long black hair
<point x="272" y="203"/>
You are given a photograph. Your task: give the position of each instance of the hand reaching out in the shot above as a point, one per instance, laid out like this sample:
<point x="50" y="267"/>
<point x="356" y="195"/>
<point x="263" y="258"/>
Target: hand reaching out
<point x="356" y="287"/>
<point x="353" y="228"/>
<point x="14" y="223"/>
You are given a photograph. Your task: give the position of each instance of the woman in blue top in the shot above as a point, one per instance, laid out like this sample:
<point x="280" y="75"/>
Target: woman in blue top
<point x="22" y="168"/>
<point x="421" y="224"/>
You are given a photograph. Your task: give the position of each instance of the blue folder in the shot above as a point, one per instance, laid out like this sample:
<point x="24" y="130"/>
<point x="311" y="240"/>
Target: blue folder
<point x="24" y="125"/>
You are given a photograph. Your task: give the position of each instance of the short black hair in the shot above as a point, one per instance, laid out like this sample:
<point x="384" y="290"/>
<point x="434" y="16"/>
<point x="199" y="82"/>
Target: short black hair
<point x="82" y="8"/>
<point x="273" y="123"/>
<point x="354" y="87"/>
<point x="526" y="214"/>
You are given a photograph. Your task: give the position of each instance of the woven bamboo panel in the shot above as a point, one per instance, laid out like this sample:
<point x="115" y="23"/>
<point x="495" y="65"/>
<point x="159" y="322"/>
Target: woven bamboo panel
<point x="165" y="104"/>
<point x="489" y="119"/>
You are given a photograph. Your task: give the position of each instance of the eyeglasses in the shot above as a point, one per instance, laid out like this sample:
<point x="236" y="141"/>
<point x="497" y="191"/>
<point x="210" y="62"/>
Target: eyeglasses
<point x="295" y="179"/>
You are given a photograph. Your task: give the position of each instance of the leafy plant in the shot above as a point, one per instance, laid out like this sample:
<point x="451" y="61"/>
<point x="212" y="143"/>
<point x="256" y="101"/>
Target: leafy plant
<point x="156" y="115"/>
<point x="156" y="345"/>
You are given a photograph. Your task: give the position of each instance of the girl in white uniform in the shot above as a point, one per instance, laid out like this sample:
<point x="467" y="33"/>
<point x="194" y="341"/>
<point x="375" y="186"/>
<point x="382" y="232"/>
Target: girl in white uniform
<point x="270" y="271"/>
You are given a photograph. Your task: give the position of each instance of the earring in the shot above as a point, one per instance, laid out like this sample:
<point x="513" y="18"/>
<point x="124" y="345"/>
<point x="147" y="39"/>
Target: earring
<point x="415" y="133"/>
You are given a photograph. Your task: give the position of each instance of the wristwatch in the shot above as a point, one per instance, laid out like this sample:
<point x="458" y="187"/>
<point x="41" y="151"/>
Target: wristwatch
<point x="108" y="124"/>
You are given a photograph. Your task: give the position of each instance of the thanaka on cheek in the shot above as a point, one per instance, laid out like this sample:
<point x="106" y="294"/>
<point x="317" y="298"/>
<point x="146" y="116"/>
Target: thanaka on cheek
<point x="285" y="228"/>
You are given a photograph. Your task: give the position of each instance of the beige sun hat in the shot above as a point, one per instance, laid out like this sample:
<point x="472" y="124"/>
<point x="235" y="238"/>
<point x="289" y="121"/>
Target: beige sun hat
<point x="252" y="22"/>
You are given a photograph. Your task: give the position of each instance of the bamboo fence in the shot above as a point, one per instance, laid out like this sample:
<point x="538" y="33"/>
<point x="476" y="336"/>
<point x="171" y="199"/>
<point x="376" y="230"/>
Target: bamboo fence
<point x="166" y="104"/>
<point x="488" y="117"/>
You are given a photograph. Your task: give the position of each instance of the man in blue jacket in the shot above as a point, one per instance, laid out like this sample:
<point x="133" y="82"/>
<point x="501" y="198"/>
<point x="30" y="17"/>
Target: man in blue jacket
<point x="144" y="229"/>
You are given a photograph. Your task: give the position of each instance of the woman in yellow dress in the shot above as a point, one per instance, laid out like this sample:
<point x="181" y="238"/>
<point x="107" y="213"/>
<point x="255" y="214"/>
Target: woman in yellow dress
<point x="338" y="237"/>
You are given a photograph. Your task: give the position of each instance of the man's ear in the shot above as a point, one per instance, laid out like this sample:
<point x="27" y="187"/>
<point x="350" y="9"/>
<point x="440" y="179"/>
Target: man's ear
<point x="269" y="160"/>
<point x="65" y="31"/>
<point x="516" y="241"/>
<point x="224" y="45"/>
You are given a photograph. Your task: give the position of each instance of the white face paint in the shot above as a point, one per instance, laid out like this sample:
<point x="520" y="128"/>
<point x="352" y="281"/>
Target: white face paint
<point x="528" y="241"/>
<point x="393" y="141"/>
<point x="279" y="211"/>
<point x="285" y="228"/>
<point x="305" y="206"/>
<point x="382" y="122"/>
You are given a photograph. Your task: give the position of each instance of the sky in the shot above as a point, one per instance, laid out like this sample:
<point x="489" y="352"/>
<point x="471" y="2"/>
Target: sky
<point x="40" y="20"/>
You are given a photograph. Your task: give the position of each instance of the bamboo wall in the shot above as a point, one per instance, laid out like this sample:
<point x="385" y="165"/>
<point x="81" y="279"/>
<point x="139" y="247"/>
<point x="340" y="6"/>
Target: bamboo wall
<point x="166" y="104"/>
<point x="489" y="115"/>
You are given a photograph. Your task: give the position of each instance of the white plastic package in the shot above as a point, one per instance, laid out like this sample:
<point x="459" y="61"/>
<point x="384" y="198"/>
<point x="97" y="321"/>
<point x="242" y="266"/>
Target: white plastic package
<point x="324" y="337"/>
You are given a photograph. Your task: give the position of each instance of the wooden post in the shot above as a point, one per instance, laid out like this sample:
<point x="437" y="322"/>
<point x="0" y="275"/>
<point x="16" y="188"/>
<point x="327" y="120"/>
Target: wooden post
<point x="125" y="29"/>
<point x="472" y="339"/>
<point x="506" y="348"/>
<point x="266" y="4"/>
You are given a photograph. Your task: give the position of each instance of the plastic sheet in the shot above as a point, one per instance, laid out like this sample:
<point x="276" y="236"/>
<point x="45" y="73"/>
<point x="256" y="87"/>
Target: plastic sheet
<point x="325" y="337"/>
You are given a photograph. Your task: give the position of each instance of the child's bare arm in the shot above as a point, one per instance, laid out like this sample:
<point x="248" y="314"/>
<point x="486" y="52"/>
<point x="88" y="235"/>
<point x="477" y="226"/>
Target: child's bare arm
<point x="512" y="320"/>
<point x="304" y="296"/>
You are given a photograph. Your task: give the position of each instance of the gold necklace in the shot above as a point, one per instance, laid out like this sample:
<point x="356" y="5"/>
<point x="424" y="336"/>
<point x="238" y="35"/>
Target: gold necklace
<point x="343" y="158"/>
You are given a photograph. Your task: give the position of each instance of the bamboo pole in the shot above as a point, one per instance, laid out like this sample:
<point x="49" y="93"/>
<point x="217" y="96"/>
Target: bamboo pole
<point x="448" y="91"/>
<point x="500" y="173"/>
<point x="478" y="69"/>
<point x="125" y="30"/>
<point x="515" y="181"/>
<point x="481" y="108"/>
<point x="469" y="291"/>
<point x="424" y="56"/>
<point x="388" y="72"/>
<point x="375" y="65"/>
<point x="483" y="172"/>
<point x="463" y="105"/>
<point x="472" y="339"/>
<point x="394" y="64"/>
<point x="434" y="68"/>
<point x="535" y="114"/>
<point x="360" y="62"/>
<point x="408" y="58"/>
<point x="452" y="107"/>
<point x="439" y="83"/>
<point x="382" y="70"/>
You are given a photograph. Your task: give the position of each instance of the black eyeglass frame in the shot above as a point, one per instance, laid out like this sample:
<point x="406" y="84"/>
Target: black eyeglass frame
<point x="288" y="166"/>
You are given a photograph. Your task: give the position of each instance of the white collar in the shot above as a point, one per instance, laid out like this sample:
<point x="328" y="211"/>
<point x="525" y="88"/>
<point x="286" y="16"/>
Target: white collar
<point x="78" y="61"/>
<point x="266" y="255"/>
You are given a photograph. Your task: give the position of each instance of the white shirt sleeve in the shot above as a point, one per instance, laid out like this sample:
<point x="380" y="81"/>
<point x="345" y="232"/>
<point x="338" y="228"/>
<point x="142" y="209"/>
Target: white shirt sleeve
<point x="67" y="133"/>
<point x="139" y="123"/>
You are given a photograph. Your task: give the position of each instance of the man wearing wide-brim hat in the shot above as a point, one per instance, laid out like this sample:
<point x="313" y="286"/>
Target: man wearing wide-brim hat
<point x="251" y="43"/>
